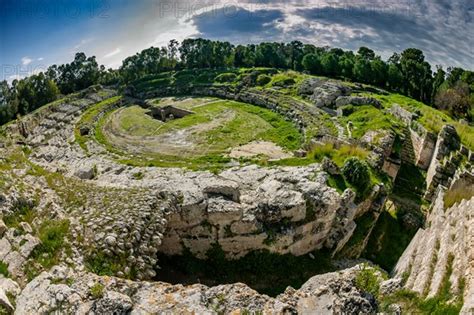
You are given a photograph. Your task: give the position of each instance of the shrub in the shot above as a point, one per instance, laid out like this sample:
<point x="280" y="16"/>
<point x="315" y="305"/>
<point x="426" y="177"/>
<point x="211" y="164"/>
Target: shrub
<point x="263" y="79"/>
<point x="368" y="281"/>
<point x="283" y="82"/>
<point x="97" y="291"/>
<point x="226" y="77"/>
<point x="356" y="173"/>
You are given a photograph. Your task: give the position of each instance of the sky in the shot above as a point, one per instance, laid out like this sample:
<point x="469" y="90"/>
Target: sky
<point x="37" y="33"/>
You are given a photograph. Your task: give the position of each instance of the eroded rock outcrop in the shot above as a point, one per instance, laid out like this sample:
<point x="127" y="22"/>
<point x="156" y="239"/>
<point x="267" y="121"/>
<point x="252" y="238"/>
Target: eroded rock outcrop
<point x="68" y="292"/>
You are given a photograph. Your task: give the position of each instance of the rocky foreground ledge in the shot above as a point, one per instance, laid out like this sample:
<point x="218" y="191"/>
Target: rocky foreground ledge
<point x="61" y="290"/>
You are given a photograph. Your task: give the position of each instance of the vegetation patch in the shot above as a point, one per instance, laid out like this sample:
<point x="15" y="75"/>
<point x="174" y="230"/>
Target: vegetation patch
<point x="52" y="235"/>
<point x="102" y="265"/>
<point x="97" y="291"/>
<point x="4" y="269"/>
<point x="89" y="117"/>
<point x="456" y="195"/>
<point x="22" y="210"/>
<point x="337" y="154"/>
<point x="432" y="119"/>
<point x="367" y="117"/>
<point x="368" y="279"/>
<point x="382" y="248"/>
<point x="263" y="271"/>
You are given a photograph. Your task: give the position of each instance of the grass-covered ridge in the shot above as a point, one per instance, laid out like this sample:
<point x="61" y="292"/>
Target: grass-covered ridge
<point x="430" y="118"/>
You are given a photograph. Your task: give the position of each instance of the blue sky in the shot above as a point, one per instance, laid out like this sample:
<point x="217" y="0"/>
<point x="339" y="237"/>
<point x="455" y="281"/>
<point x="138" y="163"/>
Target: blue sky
<point x="37" y="33"/>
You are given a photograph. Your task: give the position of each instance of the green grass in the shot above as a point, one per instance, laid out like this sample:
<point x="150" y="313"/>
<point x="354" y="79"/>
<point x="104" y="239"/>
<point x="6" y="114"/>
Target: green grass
<point x="368" y="280"/>
<point x="412" y="303"/>
<point x="4" y="269"/>
<point x="97" y="290"/>
<point x="367" y="117"/>
<point x="432" y="119"/>
<point x="337" y="182"/>
<point x="456" y="195"/>
<point x="103" y="265"/>
<point x="22" y="210"/>
<point x="337" y="155"/>
<point x="52" y="235"/>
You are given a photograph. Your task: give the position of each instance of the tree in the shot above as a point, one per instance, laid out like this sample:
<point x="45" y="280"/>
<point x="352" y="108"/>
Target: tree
<point x="270" y="55"/>
<point x="330" y="64"/>
<point x="8" y="103"/>
<point x="346" y="65"/>
<point x="362" y="70"/>
<point x="366" y="53"/>
<point x="294" y="51"/>
<point x="312" y="64"/>
<point x="35" y="91"/>
<point x="395" y="78"/>
<point x="379" y="71"/>
<point x="416" y="73"/>
<point x="82" y="72"/>
<point x="456" y="100"/>
<point x="438" y="81"/>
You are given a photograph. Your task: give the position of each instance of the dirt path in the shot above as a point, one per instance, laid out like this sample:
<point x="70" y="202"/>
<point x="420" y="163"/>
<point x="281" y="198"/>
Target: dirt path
<point x="254" y="148"/>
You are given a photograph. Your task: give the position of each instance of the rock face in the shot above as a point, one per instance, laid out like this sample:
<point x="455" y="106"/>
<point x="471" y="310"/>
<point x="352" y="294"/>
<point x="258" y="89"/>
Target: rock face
<point x="447" y="157"/>
<point x="86" y="293"/>
<point x="287" y="210"/>
<point x="357" y="101"/>
<point x="441" y="252"/>
<point x="323" y="92"/>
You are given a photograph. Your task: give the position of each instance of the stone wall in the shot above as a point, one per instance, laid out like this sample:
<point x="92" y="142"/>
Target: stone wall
<point x="424" y="143"/>
<point x="419" y="143"/>
<point x="447" y="158"/>
<point x="448" y="238"/>
<point x="169" y="112"/>
<point x="298" y="218"/>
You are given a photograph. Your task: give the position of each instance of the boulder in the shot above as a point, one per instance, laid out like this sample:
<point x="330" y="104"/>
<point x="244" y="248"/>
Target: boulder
<point x="323" y="92"/>
<point x="357" y="101"/>
<point x="85" y="173"/>
<point x="112" y="303"/>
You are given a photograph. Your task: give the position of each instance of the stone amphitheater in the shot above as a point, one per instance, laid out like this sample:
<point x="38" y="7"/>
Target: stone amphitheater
<point x="124" y="215"/>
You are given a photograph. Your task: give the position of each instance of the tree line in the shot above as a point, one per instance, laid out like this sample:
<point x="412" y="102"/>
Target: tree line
<point x="407" y="73"/>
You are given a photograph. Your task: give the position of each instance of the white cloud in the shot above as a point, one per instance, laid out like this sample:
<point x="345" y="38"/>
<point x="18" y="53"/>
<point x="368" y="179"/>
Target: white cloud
<point x="26" y="61"/>
<point x="15" y="77"/>
<point x="113" y="53"/>
<point x="40" y="59"/>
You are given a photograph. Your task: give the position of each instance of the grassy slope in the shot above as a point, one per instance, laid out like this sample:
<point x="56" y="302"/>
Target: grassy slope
<point x="431" y="118"/>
